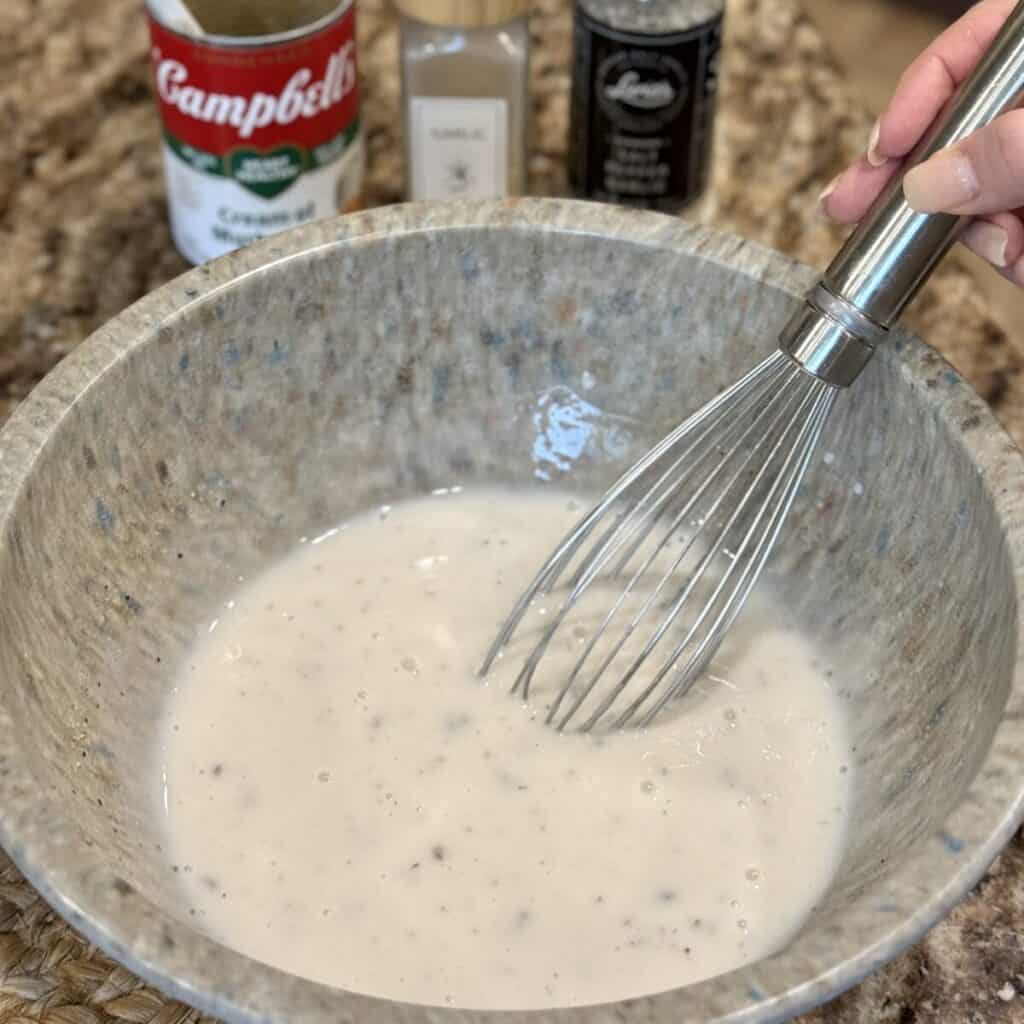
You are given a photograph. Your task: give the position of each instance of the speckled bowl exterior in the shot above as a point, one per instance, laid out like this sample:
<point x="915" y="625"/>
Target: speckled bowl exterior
<point x="361" y="360"/>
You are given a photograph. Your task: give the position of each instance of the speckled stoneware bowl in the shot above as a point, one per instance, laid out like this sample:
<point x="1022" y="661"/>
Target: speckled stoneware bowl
<point x="349" y="363"/>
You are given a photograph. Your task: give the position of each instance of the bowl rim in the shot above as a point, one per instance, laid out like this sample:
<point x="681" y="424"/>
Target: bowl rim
<point x="70" y="873"/>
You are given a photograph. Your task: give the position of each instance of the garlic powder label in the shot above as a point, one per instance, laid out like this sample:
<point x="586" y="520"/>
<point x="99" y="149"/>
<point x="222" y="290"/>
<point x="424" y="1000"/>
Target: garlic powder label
<point x="459" y="148"/>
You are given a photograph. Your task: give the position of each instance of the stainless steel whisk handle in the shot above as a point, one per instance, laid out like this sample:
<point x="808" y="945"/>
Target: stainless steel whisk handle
<point x="894" y="249"/>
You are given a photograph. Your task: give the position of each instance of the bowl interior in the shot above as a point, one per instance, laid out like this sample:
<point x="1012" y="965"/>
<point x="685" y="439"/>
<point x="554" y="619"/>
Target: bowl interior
<point x="387" y="365"/>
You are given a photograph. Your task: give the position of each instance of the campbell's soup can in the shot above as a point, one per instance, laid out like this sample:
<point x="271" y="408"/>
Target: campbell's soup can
<point x="260" y="131"/>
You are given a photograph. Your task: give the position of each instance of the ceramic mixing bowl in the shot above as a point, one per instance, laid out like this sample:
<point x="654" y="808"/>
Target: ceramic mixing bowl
<point x="276" y="391"/>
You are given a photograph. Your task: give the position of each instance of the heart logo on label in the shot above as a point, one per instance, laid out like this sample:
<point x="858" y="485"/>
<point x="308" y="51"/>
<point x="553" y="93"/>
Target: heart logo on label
<point x="267" y="174"/>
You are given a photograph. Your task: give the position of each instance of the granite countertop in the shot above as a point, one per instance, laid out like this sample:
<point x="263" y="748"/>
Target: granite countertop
<point x="84" y="233"/>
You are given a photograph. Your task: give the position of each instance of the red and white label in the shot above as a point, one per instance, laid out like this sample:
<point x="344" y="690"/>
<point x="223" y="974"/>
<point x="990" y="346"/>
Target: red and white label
<point x="303" y="92"/>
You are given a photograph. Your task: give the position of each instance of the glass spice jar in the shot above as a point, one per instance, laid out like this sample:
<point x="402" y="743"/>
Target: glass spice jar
<point x="465" y="105"/>
<point x="645" y="79"/>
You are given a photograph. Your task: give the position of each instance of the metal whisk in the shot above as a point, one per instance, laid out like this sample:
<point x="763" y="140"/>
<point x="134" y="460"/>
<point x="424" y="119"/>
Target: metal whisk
<point x="637" y="599"/>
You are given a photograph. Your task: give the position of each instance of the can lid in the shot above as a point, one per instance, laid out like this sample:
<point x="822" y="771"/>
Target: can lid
<point x="463" y="13"/>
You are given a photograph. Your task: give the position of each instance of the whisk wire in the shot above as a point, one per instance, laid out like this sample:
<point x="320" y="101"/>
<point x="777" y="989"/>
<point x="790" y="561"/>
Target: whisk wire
<point x="734" y="425"/>
<point x="630" y="521"/>
<point x="571" y="543"/>
<point x="719" y="486"/>
<point x="697" y="576"/>
<point x="639" y="574"/>
<point x="649" y="506"/>
<point x="808" y="440"/>
<point x="694" y="580"/>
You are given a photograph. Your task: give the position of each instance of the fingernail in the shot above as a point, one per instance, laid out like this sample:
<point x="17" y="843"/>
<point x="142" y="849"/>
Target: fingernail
<point x="989" y="241"/>
<point x="825" y="193"/>
<point x="946" y="182"/>
<point x="874" y="157"/>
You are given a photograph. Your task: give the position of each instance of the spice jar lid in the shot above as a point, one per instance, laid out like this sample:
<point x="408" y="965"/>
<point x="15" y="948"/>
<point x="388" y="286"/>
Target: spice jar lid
<point x="463" y="13"/>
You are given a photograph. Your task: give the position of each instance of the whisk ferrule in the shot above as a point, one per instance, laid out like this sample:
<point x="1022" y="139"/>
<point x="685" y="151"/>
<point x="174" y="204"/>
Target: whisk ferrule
<point x="830" y="338"/>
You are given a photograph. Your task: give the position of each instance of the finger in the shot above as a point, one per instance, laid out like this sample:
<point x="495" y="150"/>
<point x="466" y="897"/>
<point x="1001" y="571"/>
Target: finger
<point x="983" y="174"/>
<point x="998" y="239"/>
<point x="850" y="195"/>
<point x="929" y="82"/>
<point x="1015" y="273"/>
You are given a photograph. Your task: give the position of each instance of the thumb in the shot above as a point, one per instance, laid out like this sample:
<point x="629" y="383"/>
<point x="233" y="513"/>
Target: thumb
<point x="982" y="174"/>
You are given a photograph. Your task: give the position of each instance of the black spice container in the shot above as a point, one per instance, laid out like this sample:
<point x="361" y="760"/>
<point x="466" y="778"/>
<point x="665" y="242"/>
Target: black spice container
<point x="645" y="75"/>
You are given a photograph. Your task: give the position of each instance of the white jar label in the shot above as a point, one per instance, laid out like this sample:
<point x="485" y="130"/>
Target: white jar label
<point x="458" y="148"/>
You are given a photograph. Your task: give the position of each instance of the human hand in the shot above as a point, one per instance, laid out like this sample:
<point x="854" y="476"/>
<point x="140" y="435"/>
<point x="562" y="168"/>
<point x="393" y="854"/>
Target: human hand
<point x="983" y="176"/>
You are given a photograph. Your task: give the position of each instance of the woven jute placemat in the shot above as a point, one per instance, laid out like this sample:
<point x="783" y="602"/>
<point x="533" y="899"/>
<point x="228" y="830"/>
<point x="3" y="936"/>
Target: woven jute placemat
<point x="84" y="229"/>
<point x="49" y="973"/>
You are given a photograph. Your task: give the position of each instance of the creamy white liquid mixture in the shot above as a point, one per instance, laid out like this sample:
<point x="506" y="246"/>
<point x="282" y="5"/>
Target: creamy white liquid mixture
<point x="346" y="801"/>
